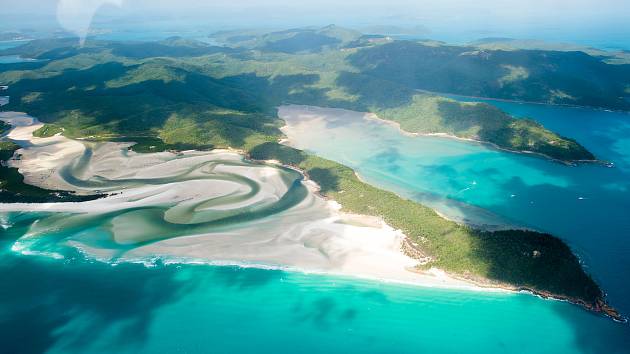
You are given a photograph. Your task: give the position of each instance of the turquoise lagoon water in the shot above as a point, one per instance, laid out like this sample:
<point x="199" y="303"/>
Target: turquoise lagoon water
<point x="587" y="205"/>
<point x="73" y="305"/>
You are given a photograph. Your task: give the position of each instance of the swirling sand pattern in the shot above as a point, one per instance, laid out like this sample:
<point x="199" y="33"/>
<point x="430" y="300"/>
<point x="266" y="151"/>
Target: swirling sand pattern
<point x="211" y="206"/>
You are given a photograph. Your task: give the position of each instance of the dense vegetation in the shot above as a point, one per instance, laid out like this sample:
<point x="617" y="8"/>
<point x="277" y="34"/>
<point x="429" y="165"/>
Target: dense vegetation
<point x="4" y="127"/>
<point x="109" y="89"/>
<point x="619" y="56"/>
<point x="48" y="130"/>
<point x="291" y="41"/>
<point x="566" y="77"/>
<point x="526" y="259"/>
<point x="218" y="98"/>
<point x="12" y="188"/>
<point x="485" y="123"/>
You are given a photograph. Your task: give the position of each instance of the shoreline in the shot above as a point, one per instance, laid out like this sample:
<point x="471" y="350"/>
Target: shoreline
<point x="600" y="307"/>
<point x="452" y="95"/>
<point x="360" y="248"/>
<point x="477" y="226"/>
<point x="433" y="277"/>
<point x="157" y="260"/>
<point x="373" y="116"/>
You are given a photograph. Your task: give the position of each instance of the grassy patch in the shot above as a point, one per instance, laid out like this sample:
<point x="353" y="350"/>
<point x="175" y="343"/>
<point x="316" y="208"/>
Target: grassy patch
<point x="48" y="130"/>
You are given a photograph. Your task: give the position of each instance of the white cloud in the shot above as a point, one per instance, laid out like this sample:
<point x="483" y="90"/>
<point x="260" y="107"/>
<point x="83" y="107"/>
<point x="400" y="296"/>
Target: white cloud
<point x="76" y="15"/>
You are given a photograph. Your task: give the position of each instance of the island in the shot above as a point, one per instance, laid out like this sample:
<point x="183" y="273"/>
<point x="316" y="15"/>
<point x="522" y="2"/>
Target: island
<point x="180" y="94"/>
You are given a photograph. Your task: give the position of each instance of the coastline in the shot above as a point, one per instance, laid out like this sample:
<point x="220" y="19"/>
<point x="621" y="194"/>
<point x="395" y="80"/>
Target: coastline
<point x="413" y="276"/>
<point x="600" y="306"/>
<point x="371" y="239"/>
<point x="473" y="225"/>
<point x="373" y="116"/>
<point x="451" y="95"/>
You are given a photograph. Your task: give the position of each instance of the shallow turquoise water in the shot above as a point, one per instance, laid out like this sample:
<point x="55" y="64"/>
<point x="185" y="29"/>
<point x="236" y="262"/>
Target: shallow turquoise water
<point x="78" y="306"/>
<point x="586" y="205"/>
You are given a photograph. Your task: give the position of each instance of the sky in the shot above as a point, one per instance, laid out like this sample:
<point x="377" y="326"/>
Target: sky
<point x="555" y="19"/>
<point x="505" y="9"/>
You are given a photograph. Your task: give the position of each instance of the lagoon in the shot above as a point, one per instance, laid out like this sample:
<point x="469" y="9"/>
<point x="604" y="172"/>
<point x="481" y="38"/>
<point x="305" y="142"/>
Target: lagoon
<point x="586" y="205"/>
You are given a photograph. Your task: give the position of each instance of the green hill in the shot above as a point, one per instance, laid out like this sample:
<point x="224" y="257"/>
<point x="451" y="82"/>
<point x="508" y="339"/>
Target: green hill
<point x="114" y="88"/>
<point x="298" y="40"/>
<point x="562" y="77"/>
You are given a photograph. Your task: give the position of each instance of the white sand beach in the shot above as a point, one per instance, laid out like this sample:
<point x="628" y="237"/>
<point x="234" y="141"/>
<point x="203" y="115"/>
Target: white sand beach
<point x="208" y="206"/>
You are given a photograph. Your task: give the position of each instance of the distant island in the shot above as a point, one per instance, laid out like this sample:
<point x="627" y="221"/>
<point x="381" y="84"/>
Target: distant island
<point x="180" y="94"/>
